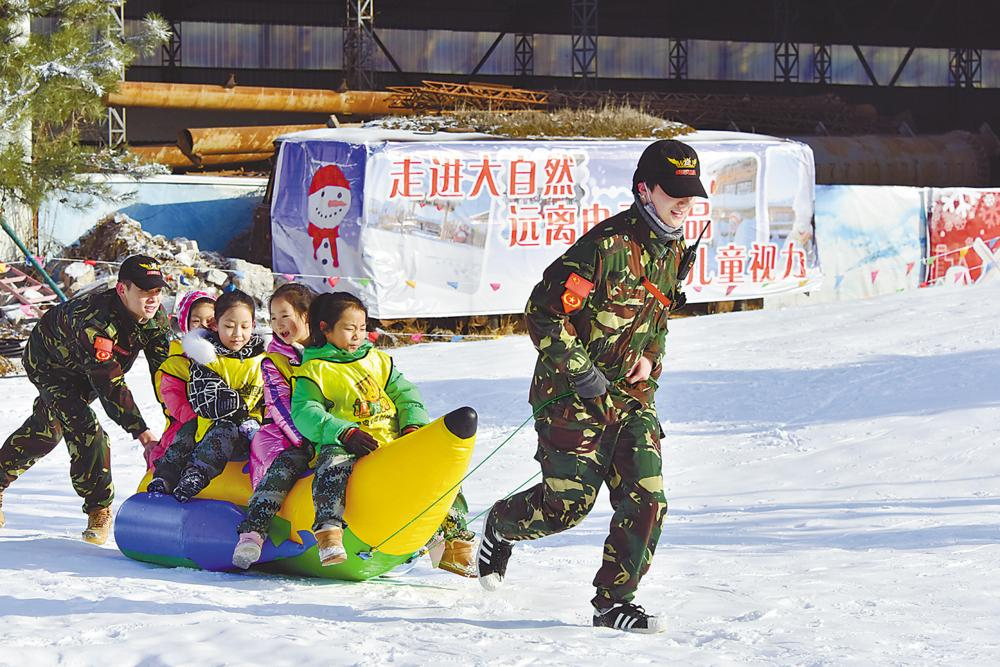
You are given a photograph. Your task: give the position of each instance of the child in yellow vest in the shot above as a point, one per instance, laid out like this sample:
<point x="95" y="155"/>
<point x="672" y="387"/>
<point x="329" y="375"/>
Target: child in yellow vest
<point x="349" y="399"/>
<point x="224" y="388"/>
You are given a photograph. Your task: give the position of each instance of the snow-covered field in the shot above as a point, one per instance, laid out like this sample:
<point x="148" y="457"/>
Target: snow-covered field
<point x="833" y="475"/>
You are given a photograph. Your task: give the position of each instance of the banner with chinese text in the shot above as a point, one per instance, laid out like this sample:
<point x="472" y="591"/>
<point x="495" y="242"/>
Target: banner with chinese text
<point x="449" y="228"/>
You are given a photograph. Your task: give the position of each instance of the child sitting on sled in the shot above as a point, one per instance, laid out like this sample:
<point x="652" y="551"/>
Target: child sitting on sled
<point x="195" y="310"/>
<point x="278" y="453"/>
<point x="224" y="387"/>
<point x="350" y="399"/>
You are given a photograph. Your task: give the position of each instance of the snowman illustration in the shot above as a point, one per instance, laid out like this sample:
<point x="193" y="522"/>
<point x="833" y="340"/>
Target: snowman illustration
<point x="329" y="201"/>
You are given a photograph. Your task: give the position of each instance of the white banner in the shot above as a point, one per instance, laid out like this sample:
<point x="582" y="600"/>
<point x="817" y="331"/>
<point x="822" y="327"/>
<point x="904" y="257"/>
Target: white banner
<point x="436" y="227"/>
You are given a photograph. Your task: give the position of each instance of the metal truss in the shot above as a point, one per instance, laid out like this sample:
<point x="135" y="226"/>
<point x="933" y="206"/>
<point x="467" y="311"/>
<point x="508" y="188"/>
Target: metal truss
<point x="584" y="28"/>
<point x="116" y="115"/>
<point x="965" y="68"/>
<point x="170" y="53"/>
<point x="359" y="40"/>
<point x="678" y="67"/>
<point x="823" y="64"/>
<point x="786" y="62"/>
<point x="524" y="54"/>
<point x="441" y="96"/>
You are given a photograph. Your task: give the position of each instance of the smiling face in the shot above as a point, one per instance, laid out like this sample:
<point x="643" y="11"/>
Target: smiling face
<point x="349" y="332"/>
<point x="142" y="304"/>
<point x="235" y="326"/>
<point x="328" y="206"/>
<point x="288" y="325"/>
<point x="671" y="210"/>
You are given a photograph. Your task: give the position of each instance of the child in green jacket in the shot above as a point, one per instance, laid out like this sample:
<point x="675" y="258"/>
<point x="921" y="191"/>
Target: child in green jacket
<point x="349" y="399"/>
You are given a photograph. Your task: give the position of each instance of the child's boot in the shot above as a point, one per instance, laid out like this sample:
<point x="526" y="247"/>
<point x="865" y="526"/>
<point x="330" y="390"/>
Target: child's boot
<point x="458" y="558"/>
<point x="2" y="519"/>
<point x="190" y="485"/>
<point x="98" y="525"/>
<point x="248" y="549"/>
<point x="330" y="542"/>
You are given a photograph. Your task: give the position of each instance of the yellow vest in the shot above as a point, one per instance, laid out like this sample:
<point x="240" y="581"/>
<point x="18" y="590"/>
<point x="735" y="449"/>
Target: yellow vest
<point x="355" y="391"/>
<point x="245" y="377"/>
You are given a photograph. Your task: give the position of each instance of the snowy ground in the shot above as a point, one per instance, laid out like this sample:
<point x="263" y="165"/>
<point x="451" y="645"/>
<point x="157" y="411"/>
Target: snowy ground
<point x="834" y="491"/>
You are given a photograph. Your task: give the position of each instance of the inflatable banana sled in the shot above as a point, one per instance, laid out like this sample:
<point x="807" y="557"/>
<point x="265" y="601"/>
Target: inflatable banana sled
<point x="387" y="489"/>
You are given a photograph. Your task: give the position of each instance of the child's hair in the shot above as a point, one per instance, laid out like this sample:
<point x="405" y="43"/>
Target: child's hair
<point x="329" y="307"/>
<point x="298" y="296"/>
<point x="229" y="300"/>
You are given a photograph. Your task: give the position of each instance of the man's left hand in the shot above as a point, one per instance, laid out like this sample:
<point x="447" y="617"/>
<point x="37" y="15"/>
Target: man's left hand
<point x="640" y="371"/>
<point x="147" y="440"/>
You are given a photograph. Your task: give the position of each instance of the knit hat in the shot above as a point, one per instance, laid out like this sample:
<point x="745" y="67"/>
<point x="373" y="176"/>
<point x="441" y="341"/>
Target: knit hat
<point x="186" y="303"/>
<point x="329" y="175"/>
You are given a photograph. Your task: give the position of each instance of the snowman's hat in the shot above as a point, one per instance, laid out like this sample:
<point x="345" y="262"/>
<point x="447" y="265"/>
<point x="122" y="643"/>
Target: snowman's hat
<point x="327" y="176"/>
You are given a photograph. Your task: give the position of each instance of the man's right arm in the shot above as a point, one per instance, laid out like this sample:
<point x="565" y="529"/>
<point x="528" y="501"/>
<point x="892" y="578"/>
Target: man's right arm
<point x="95" y="353"/>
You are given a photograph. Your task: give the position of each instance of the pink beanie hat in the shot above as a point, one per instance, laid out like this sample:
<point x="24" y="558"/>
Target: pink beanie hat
<point x="186" y="303"/>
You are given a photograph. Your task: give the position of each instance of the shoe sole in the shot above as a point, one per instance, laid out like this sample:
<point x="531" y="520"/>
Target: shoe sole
<point x="460" y="571"/>
<point x="94" y="539"/>
<point x="333" y="560"/>
<point x="244" y="559"/>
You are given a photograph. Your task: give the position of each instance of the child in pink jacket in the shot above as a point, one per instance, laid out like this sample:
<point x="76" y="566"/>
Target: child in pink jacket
<point x="279" y="455"/>
<point x="195" y="309"/>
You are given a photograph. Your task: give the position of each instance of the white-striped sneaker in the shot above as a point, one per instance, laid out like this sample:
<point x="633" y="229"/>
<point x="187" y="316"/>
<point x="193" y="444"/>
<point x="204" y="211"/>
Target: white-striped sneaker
<point x="629" y="618"/>
<point x="492" y="556"/>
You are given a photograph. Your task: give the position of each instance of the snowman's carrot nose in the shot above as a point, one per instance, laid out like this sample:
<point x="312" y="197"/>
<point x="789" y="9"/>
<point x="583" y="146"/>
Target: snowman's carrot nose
<point x="335" y="202"/>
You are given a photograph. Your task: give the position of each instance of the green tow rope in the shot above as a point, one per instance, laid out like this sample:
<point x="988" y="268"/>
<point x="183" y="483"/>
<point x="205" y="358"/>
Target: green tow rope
<point x="365" y="555"/>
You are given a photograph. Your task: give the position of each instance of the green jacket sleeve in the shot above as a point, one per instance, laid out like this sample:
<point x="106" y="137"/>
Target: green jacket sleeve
<point x="311" y="417"/>
<point x="546" y="317"/>
<point x="410" y="410"/>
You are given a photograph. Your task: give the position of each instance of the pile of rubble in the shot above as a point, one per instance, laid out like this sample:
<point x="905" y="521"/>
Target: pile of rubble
<point x="185" y="266"/>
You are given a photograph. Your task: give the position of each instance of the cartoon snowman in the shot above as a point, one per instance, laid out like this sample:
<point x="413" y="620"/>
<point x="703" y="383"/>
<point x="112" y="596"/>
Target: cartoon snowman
<point x="329" y="201"/>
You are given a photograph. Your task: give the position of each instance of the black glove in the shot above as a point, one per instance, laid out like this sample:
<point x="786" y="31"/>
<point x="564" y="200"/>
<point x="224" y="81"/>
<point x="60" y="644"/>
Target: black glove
<point x="211" y="397"/>
<point x="358" y="442"/>
<point x="680" y="300"/>
<point x="590" y="384"/>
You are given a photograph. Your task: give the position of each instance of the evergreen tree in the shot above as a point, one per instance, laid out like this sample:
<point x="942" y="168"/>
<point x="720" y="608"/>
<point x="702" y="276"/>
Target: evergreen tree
<point x="53" y="80"/>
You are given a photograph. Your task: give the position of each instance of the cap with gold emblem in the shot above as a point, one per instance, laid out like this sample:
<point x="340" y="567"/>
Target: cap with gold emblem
<point x="142" y="271"/>
<point x="674" y="166"/>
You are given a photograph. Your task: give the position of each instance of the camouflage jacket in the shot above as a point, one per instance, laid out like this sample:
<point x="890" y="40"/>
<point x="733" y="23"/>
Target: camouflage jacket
<point x="88" y="344"/>
<point x="592" y="307"/>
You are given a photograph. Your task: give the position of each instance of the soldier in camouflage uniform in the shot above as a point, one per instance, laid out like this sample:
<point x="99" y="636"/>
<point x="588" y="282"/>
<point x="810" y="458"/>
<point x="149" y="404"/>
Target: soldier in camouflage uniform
<point x="598" y="319"/>
<point x="80" y="351"/>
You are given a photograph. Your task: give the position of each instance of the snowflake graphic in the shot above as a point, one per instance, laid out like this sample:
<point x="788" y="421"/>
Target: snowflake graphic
<point x="988" y="211"/>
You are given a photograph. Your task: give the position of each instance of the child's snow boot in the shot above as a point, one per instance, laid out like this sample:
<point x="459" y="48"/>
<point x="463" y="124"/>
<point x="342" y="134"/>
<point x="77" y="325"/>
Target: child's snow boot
<point x="98" y="525"/>
<point x="157" y="486"/>
<point x="190" y="485"/>
<point x="459" y="558"/>
<point x="627" y="617"/>
<point x="330" y="542"/>
<point x="248" y="549"/>
<point x="2" y="519"/>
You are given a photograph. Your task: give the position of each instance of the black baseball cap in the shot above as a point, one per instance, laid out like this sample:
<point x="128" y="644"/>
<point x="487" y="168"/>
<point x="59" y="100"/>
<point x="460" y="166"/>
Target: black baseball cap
<point x="672" y="165"/>
<point x="142" y="271"/>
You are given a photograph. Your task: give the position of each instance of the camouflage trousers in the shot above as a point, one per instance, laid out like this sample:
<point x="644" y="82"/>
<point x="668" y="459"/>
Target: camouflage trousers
<point x="209" y="456"/>
<point x="577" y="455"/>
<point x="281" y="475"/>
<point x="333" y="469"/>
<point x="63" y="412"/>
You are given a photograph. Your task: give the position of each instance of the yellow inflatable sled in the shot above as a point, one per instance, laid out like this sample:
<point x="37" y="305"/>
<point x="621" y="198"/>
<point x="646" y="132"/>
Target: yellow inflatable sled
<point x="397" y="498"/>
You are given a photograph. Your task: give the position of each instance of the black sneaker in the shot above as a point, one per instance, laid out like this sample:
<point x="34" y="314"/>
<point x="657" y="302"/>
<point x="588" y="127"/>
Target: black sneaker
<point x="492" y="556"/>
<point x="157" y="486"/>
<point x="190" y="485"/>
<point x="627" y="617"/>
